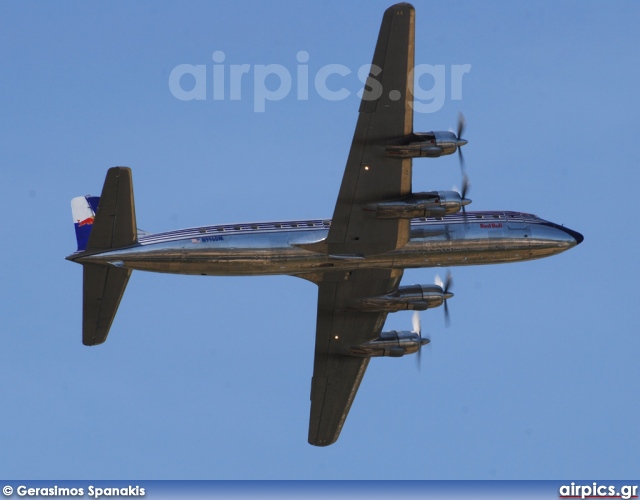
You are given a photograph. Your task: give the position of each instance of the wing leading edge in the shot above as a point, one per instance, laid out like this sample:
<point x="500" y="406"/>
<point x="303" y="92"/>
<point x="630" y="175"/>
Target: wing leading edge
<point x="370" y="176"/>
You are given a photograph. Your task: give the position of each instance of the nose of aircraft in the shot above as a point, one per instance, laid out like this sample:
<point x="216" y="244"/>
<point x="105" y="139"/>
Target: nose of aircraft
<point x="574" y="234"/>
<point x="568" y="236"/>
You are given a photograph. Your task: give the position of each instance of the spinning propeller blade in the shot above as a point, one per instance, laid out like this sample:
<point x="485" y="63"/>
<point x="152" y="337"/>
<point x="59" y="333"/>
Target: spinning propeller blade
<point x="417" y="328"/>
<point x="460" y="141"/>
<point x="446" y="295"/>
<point x="463" y="194"/>
<point x="415" y="322"/>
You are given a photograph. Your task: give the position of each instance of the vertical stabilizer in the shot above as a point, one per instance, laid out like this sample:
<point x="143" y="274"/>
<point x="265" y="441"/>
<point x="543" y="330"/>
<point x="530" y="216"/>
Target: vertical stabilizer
<point x="83" y="209"/>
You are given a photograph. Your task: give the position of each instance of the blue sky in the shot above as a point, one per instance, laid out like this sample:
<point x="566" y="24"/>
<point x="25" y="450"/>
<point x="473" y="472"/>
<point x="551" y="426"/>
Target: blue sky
<point x="208" y="378"/>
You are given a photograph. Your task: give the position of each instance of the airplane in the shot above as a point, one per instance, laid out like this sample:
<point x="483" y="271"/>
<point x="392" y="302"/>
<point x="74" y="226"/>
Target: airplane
<point x="379" y="228"/>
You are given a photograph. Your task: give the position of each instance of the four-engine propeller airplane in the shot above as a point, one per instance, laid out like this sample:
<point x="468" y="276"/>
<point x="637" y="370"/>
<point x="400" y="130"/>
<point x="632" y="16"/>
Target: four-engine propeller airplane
<point x="379" y="228"/>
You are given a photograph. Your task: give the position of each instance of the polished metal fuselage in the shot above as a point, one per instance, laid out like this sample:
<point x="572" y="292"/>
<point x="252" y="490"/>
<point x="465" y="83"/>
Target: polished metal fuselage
<point x="272" y="248"/>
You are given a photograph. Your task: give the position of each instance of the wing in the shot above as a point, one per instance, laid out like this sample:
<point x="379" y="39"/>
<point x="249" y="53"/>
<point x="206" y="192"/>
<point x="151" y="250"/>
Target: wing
<point x="386" y="113"/>
<point x="370" y="176"/>
<point x="336" y="375"/>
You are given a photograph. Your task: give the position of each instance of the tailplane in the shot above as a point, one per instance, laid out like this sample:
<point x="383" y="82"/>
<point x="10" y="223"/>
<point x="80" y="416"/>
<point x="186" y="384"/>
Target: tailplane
<point x="102" y="224"/>
<point x="114" y="225"/>
<point x="102" y="291"/>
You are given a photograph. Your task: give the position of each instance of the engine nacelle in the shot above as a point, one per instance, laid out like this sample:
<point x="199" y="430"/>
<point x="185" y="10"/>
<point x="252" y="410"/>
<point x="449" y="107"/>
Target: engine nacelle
<point x="425" y="145"/>
<point x="394" y="344"/>
<point x="412" y="297"/>
<point x="431" y="204"/>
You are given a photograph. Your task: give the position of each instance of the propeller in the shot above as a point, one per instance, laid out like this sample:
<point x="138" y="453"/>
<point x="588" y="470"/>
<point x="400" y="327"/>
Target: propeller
<point x="460" y="141"/>
<point x="417" y="328"/>
<point x="463" y="195"/>
<point x="464" y="201"/>
<point x="446" y="294"/>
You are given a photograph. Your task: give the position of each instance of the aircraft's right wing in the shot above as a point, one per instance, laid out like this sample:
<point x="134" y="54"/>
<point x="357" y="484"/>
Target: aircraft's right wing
<point x="337" y="376"/>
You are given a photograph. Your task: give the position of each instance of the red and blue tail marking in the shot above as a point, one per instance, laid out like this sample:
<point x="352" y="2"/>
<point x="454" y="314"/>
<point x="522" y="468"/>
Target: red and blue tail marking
<point x="84" y="210"/>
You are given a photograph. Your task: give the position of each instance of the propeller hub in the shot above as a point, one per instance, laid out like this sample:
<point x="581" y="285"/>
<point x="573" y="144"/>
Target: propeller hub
<point x="447" y="295"/>
<point x="465" y="202"/>
<point x="424" y="341"/>
<point x="461" y="142"/>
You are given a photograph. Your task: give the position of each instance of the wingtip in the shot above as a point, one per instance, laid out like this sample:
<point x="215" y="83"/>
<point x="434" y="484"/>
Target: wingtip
<point x="119" y="169"/>
<point x="320" y="438"/>
<point x="402" y="6"/>
<point x="322" y="443"/>
<point x="92" y="342"/>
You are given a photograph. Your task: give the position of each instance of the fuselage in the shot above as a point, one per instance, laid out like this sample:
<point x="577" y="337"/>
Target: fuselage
<point x="271" y="248"/>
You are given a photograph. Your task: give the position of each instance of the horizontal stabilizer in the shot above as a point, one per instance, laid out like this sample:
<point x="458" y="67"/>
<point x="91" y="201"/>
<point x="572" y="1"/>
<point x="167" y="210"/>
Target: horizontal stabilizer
<point x="115" y="221"/>
<point x="103" y="287"/>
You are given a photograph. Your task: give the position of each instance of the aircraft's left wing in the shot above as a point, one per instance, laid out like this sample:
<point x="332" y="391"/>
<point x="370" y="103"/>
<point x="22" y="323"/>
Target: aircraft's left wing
<point x="386" y="114"/>
<point x="336" y="375"/>
<point x="370" y="176"/>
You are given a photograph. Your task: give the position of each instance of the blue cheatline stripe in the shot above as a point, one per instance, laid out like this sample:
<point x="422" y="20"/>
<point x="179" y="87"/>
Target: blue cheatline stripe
<point x="229" y="230"/>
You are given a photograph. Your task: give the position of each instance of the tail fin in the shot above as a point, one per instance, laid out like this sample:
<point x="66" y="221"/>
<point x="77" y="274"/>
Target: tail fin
<point x="110" y="224"/>
<point x="83" y="209"/>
